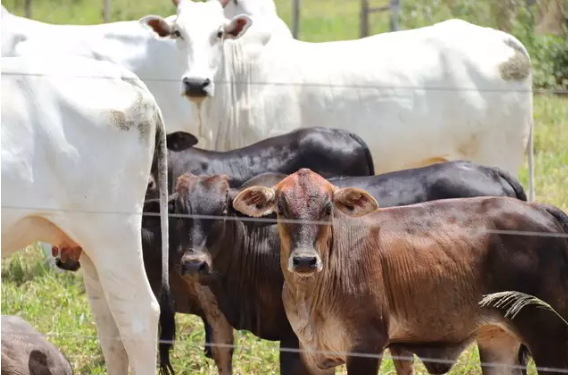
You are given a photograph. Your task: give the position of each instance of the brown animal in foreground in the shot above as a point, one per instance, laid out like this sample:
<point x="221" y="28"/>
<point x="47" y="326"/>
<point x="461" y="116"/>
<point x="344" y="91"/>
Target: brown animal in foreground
<point x="26" y="352"/>
<point x="359" y="280"/>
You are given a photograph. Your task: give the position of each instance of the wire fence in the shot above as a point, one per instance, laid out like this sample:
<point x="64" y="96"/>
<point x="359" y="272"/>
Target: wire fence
<point x="403" y="17"/>
<point x="51" y="211"/>
<point x="238" y="347"/>
<point x="323" y="85"/>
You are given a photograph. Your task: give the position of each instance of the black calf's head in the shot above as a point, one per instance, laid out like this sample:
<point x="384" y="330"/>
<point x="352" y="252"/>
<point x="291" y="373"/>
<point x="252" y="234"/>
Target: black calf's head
<point x="205" y="201"/>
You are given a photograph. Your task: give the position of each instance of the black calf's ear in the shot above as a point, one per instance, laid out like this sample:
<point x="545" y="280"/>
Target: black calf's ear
<point x="180" y="141"/>
<point x="153" y="205"/>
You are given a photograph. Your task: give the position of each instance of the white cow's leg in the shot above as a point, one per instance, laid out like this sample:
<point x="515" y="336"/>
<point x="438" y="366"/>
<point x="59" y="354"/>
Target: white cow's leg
<point x="130" y="298"/>
<point x="111" y="343"/>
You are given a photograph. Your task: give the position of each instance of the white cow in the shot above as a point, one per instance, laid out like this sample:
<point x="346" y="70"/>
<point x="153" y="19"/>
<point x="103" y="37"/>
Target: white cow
<point x="78" y="138"/>
<point x="130" y="45"/>
<point x="444" y="92"/>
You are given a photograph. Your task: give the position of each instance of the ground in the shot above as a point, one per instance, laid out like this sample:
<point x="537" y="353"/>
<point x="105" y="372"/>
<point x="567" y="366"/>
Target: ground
<point x="56" y="303"/>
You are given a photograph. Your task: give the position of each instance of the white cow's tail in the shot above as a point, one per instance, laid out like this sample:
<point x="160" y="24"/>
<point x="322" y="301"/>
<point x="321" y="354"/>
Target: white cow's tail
<point x="167" y="313"/>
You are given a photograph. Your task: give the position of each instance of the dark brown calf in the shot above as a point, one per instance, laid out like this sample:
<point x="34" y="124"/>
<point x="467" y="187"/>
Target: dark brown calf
<point x="358" y="279"/>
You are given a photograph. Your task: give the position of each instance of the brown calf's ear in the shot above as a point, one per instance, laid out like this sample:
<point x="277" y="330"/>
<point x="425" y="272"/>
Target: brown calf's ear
<point x="354" y="201"/>
<point x="158" y="24"/>
<point x="238" y="26"/>
<point x="256" y="201"/>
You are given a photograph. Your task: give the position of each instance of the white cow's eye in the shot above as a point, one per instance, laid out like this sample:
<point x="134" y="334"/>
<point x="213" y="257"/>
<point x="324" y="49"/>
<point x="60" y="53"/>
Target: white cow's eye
<point x="219" y="34"/>
<point x="176" y="34"/>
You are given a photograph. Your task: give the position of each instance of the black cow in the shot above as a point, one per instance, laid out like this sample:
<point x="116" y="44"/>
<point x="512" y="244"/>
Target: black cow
<point x="239" y="259"/>
<point x="333" y="152"/>
<point x="26" y="352"/>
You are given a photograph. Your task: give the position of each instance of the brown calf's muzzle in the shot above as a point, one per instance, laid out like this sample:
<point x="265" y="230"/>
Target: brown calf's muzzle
<point x="304" y="262"/>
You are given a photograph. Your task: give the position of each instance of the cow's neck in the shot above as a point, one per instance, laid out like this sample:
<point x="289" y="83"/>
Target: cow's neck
<point x="249" y="279"/>
<point x="342" y="278"/>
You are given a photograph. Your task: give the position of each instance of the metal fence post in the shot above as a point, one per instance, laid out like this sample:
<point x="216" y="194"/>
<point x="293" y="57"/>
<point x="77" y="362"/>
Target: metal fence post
<point x="364" y="18"/>
<point x="394" y="13"/>
<point x="29" y="8"/>
<point x="106" y="11"/>
<point x="296" y="18"/>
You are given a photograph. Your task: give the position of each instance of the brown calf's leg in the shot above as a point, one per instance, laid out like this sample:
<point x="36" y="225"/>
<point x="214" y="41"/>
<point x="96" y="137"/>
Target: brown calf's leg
<point x="363" y="361"/>
<point x="498" y="352"/>
<point x="291" y="362"/>
<point x="403" y="361"/>
<point x="546" y="336"/>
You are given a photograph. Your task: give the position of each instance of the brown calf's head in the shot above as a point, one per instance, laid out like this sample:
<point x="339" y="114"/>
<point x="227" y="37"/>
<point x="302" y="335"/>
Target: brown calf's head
<point x="305" y="204"/>
<point x="205" y="200"/>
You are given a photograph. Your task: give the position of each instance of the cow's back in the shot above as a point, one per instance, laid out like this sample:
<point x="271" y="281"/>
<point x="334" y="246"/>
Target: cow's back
<point x="473" y="246"/>
<point x="26" y="352"/>
<point x="448" y="105"/>
<point x="57" y="113"/>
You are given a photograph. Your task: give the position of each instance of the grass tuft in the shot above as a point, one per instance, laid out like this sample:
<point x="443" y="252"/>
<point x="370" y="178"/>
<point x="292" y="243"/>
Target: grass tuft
<point x="515" y="302"/>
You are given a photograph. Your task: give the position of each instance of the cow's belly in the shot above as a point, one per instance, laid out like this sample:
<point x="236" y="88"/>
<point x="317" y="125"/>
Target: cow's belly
<point x="446" y="327"/>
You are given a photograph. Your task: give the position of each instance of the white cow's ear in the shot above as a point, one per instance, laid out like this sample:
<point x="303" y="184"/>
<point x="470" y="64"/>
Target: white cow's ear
<point x="354" y="201"/>
<point x="255" y="201"/>
<point x="238" y="26"/>
<point x="158" y="24"/>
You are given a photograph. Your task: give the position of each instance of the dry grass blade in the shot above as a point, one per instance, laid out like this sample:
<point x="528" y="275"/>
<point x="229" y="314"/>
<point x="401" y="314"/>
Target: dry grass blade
<point x="515" y="302"/>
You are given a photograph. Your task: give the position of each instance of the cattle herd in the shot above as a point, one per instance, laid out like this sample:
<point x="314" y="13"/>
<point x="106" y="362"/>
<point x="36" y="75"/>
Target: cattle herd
<point x="346" y="197"/>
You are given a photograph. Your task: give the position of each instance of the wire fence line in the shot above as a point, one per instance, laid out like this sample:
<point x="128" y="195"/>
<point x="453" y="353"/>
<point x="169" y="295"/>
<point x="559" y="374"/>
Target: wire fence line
<point x="304" y="350"/>
<point x="306" y="84"/>
<point x="343" y="223"/>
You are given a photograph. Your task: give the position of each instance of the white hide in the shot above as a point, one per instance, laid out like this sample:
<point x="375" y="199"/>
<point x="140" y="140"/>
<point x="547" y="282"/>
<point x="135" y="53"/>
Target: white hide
<point x="78" y="139"/>
<point x="443" y="92"/>
<point x="130" y="45"/>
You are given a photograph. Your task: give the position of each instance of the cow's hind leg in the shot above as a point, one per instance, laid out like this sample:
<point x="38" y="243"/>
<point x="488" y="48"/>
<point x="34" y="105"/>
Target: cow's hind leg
<point x="499" y="350"/>
<point x="130" y="298"/>
<point x="113" y="350"/>
<point x="546" y="336"/>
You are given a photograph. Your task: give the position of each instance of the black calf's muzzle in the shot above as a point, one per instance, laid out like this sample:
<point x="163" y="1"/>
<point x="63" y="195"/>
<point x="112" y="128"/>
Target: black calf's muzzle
<point x="194" y="267"/>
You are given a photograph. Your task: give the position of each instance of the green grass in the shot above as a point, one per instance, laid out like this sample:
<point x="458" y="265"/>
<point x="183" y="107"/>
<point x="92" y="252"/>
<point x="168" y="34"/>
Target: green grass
<point x="56" y="303"/>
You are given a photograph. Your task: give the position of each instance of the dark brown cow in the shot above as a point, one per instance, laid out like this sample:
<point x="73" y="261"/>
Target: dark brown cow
<point x="358" y="279"/>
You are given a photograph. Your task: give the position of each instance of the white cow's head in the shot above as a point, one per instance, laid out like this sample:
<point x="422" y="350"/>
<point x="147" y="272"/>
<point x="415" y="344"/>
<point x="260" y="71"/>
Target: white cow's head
<point x="200" y="29"/>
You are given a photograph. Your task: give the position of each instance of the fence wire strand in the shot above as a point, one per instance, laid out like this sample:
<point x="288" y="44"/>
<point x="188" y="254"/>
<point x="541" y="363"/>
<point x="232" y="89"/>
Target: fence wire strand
<point x="311" y="351"/>
<point x="45" y="211"/>
<point x="305" y="84"/>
